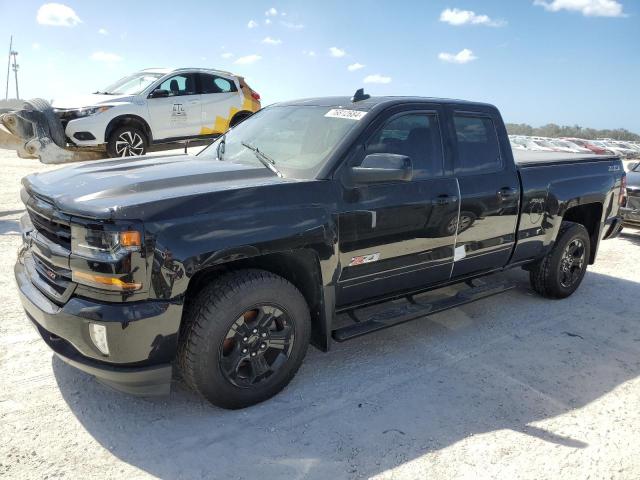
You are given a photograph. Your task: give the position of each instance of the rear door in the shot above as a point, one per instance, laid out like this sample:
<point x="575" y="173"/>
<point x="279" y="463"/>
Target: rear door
<point x="489" y="189"/>
<point x="398" y="236"/>
<point x="220" y="101"/>
<point x="179" y="114"/>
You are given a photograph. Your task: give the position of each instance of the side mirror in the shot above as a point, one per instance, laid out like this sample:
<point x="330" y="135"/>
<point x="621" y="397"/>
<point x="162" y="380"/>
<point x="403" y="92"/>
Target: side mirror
<point x="159" y="93"/>
<point x="383" y="167"/>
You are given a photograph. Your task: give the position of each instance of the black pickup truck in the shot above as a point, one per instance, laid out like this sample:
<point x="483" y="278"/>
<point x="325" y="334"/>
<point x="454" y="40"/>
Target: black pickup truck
<point x="313" y="220"/>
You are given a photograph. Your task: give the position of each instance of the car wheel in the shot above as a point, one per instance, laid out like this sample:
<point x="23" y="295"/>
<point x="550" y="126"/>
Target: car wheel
<point x="243" y="338"/>
<point x="127" y="141"/>
<point x="561" y="271"/>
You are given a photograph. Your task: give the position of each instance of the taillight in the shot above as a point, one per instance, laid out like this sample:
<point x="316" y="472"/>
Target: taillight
<point x="622" y="199"/>
<point x="255" y="95"/>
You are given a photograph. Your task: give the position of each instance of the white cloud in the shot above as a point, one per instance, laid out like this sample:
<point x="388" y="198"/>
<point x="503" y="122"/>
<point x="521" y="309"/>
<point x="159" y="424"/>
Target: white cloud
<point x="246" y="60"/>
<point x="272" y="12"/>
<point x="463" y="56"/>
<point x="457" y="17"/>
<point x="355" y="66"/>
<point x="309" y="53"/>
<point x="337" y="52"/>
<point x="267" y="21"/>
<point x="271" y="41"/>
<point x="227" y="55"/>
<point x="589" y="8"/>
<point x="252" y="24"/>
<point x="103" y="31"/>
<point x="57" y="15"/>
<point x="105" y="57"/>
<point x="292" y="26"/>
<point x="35" y="46"/>
<point x="376" y="78"/>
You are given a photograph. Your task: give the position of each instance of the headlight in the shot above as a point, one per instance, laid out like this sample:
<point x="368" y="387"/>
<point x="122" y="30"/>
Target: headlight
<point x="103" y="244"/>
<point x="85" y="112"/>
<point x="107" y="245"/>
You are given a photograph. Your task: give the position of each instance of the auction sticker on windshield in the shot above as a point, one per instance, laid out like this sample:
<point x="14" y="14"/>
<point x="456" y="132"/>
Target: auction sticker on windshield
<point x="341" y="113"/>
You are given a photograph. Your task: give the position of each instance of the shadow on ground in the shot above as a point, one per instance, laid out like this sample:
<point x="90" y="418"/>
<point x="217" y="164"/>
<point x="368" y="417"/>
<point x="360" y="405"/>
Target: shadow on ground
<point x="631" y="235"/>
<point x="380" y="401"/>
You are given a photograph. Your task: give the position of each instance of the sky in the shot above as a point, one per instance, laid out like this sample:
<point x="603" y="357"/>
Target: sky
<point x="571" y="62"/>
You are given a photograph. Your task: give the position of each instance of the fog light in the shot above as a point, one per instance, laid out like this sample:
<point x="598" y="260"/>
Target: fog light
<point x="98" y="334"/>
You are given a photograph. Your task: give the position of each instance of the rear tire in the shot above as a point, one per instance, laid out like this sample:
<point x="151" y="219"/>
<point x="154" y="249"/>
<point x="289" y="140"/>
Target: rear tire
<point x="127" y="141"/>
<point x="235" y="349"/>
<point x="561" y="271"/>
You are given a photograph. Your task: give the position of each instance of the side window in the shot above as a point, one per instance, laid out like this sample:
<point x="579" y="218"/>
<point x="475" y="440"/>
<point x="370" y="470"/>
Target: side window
<point x="179" y="85"/>
<point x="478" y="149"/>
<point x="215" y="84"/>
<point x="416" y="135"/>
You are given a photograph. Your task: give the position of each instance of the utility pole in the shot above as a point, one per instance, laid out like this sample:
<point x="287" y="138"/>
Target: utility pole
<point x="15" y="71"/>
<point x="6" y="93"/>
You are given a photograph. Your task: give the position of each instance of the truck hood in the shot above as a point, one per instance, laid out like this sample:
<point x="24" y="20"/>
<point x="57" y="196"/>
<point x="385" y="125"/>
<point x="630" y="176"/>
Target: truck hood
<point x="139" y="189"/>
<point x="89" y="100"/>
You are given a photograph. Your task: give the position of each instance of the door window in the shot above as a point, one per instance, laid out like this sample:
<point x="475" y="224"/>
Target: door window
<point x="215" y="84"/>
<point x="478" y="149"/>
<point x="416" y="135"/>
<point x="179" y="85"/>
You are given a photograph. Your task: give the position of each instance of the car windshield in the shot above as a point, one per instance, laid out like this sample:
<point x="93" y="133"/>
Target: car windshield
<point x="131" y="85"/>
<point x="295" y="140"/>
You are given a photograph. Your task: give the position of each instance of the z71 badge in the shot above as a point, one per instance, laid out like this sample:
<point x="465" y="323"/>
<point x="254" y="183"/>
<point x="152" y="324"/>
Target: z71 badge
<point x="361" y="259"/>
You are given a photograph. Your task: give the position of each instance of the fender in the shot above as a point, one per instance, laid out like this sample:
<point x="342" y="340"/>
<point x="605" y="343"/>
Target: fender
<point x="545" y="204"/>
<point x="123" y="120"/>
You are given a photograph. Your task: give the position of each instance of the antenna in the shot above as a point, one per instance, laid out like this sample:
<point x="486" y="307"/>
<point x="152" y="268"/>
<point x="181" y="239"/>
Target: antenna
<point x="360" y="95"/>
<point x="6" y="93"/>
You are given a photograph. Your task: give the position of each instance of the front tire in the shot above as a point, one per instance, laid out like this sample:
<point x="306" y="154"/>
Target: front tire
<point x="128" y="141"/>
<point x="243" y="338"/>
<point x="561" y="271"/>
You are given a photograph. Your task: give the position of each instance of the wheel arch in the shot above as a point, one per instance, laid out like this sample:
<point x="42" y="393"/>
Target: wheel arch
<point x="239" y="117"/>
<point x="300" y="267"/>
<point x="129" y="119"/>
<point x="588" y="215"/>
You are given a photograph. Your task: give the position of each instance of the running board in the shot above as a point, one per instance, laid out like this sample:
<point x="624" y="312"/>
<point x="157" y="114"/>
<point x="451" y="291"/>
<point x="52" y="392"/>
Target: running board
<point x="413" y="309"/>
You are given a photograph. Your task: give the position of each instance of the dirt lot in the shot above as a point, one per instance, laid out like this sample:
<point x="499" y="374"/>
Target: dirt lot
<point x="509" y="387"/>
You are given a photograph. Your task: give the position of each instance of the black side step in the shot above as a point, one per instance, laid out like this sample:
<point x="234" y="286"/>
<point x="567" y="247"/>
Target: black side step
<point x="415" y="308"/>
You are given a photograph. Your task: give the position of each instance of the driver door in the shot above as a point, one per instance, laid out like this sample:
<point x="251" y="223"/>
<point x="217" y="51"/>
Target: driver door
<point x="398" y="236"/>
<point x="179" y="114"/>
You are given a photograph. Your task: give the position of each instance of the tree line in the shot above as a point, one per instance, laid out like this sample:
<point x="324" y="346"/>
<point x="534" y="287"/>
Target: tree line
<point x="553" y="130"/>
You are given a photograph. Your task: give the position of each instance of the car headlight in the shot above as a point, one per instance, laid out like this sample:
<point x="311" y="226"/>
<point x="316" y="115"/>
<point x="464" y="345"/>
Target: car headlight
<point x="87" y="111"/>
<point x="103" y="244"/>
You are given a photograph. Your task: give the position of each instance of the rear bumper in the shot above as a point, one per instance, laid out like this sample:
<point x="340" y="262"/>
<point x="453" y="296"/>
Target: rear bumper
<point x="142" y="336"/>
<point x="630" y="216"/>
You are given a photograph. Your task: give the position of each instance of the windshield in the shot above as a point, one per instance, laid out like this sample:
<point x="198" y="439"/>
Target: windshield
<point x="131" y="85"/>
<point x="295" y="140"/>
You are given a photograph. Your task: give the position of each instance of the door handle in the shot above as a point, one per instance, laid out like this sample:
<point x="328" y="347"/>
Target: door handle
<point x="444" y="200"/>
<point x="506" y="193"/>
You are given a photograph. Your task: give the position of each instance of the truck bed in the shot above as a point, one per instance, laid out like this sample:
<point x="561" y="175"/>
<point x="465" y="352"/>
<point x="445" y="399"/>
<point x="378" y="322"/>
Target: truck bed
<point x="525" y="158"/>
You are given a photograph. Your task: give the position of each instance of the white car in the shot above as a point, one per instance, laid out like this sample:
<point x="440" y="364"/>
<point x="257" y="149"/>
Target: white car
<point x="157" y="106"/>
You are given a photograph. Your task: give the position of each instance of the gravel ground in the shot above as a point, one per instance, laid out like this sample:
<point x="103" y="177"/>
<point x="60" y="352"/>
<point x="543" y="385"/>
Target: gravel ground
<point x="513" y="386"/>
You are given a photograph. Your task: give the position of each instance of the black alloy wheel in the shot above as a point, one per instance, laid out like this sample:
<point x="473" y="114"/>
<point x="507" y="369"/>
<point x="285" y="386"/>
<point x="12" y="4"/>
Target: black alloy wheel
<point x="258" y="343"/>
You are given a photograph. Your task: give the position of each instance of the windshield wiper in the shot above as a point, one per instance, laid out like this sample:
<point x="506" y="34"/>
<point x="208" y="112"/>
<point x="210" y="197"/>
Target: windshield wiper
<point x="103" y="93"/>
<point x="264" y="159"/>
